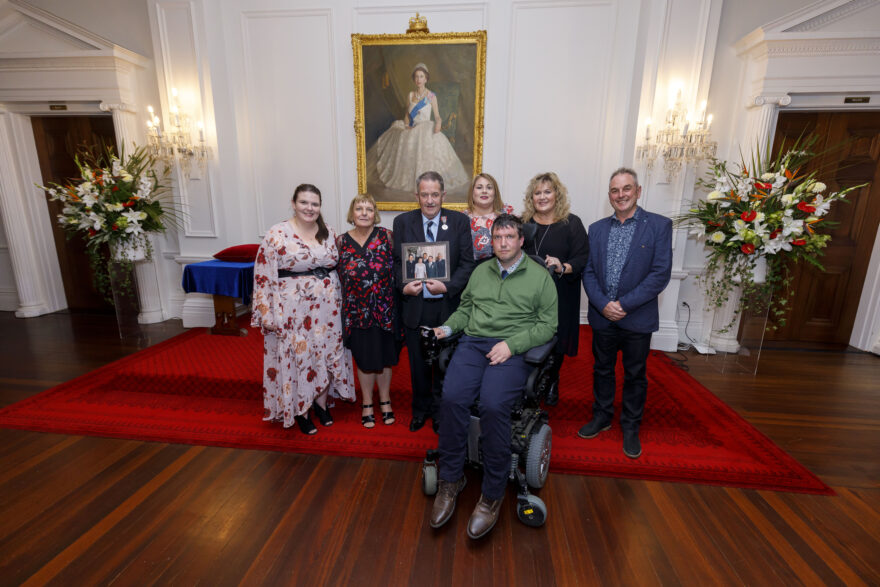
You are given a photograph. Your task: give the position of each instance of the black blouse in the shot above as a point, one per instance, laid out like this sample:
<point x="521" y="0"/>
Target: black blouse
<point x="567" y="241"/>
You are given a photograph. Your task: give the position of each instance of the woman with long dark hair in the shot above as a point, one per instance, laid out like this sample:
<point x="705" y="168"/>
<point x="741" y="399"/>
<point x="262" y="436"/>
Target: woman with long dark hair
<point x="297" y="305"/>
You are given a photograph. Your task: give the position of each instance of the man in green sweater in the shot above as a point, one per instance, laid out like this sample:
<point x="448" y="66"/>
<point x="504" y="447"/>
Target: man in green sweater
<point x="508" y="307"/>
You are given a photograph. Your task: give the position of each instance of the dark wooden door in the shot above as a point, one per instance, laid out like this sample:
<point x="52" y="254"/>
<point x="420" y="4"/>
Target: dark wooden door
<point x="58" y="139"/>
<point x="824" y="305"/>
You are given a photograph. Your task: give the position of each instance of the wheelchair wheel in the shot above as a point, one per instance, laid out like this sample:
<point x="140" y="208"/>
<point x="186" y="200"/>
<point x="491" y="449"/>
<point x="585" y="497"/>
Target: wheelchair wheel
<point x="538" y="457"/>
<point x="531" y="511"/>
<point x="429" y="478"/>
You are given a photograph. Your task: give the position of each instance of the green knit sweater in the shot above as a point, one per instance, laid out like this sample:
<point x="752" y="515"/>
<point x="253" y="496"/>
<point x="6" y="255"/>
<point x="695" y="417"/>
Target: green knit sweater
<point x="520" y="309"/>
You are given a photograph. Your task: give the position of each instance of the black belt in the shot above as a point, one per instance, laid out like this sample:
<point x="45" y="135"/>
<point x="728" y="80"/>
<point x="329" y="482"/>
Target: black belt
<point x="320" y="272"/>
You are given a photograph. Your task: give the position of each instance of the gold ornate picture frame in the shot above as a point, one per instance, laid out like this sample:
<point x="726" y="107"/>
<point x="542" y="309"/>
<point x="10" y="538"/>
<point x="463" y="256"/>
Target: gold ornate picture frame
<point x="401" y="83"/>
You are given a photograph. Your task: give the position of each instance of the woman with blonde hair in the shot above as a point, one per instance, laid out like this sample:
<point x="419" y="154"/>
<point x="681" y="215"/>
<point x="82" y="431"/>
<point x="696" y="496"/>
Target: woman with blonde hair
<point x="561" y="241"/>
<point x="368" y="308"/>
<point x="483" y="207"/>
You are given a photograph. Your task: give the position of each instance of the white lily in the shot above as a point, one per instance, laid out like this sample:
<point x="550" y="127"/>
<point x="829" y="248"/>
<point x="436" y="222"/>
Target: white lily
<point x="89" y="200"/>
<point x="97" y="222"/>
<point x="135" y="216"/>
<point x="822" y="205"/>
<point x="134" y="229"/>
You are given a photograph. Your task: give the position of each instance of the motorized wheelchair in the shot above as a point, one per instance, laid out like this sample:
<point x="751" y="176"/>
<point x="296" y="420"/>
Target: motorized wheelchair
<point x="530" y="434"/>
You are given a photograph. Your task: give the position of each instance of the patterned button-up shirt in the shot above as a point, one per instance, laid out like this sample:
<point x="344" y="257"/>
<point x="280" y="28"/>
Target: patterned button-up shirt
<point x="619" y="240"/>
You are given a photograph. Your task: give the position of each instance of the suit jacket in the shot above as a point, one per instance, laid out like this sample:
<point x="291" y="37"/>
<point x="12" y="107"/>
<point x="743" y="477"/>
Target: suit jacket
<point x="646" y="272"/>
<point x="410" y="269"/>
<point x="408" y="228"/>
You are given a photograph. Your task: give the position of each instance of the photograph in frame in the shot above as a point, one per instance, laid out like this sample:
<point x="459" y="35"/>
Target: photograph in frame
<point x="419" y="107"/>
<point x="425" y="260"/>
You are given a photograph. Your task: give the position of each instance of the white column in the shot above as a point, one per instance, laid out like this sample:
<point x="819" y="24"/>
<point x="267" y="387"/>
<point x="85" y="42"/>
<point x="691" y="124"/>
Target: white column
<point x="761" y="118"/>
<point x="147" y="273"/>
<point x="34" y="262"/>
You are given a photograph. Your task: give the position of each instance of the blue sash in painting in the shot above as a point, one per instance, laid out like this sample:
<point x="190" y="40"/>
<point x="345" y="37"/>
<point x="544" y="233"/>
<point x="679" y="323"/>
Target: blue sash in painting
<point x="415" y="109"/>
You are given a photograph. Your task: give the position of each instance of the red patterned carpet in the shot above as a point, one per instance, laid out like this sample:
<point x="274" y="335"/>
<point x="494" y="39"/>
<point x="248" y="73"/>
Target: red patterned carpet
<point x="202" y="389"/>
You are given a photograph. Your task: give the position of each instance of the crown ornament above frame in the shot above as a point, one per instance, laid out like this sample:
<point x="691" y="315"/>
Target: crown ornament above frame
<point x="418" y="24"/>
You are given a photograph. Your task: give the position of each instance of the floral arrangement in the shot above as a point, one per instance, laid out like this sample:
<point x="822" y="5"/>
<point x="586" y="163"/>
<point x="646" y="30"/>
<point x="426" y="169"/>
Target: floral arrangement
<point x="769" y="211"/>
<point x="115" y="200"/>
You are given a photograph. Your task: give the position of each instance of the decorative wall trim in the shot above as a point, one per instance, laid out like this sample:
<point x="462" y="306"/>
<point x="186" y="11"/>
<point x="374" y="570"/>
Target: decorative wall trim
<point x="832" y="16"/>
<point x="105" y="107"/>
<point x="766" y="99"/>
<point x="822" y="47"/>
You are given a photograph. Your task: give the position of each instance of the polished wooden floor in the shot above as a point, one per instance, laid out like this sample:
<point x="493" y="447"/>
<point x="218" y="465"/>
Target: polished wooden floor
<point x="91" y="511"/>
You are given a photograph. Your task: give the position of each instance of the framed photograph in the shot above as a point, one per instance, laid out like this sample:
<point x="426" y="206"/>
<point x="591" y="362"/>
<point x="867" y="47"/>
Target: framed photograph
<point x="425" y="261"/>
<point x="418" y="107"/>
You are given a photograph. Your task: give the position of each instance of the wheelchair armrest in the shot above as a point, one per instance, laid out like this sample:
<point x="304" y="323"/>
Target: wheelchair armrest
<point x="537" y="355"/>
<point x="451" y="338"/>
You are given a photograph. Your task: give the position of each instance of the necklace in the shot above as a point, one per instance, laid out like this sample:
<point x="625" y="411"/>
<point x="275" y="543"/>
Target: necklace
<point x="541" y="242"/>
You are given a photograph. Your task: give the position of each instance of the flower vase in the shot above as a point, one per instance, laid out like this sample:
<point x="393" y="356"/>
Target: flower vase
<point x="123" y="284"/>
<point x="122" y="251"/>
<point x="759" y="269"/>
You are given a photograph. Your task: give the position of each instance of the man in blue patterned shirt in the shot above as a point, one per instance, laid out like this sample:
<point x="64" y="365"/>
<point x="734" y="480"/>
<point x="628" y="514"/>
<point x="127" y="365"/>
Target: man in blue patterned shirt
<point x="630" y="264"/>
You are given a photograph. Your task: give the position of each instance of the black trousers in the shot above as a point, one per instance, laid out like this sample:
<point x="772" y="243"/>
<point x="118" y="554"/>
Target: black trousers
<point x="426" y="380"/>
<point x="634" y="348"/>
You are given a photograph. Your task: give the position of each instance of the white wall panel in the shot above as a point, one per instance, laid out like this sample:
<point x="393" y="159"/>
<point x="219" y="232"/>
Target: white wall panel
<point x="560" y="61"/>
<point x="180" y="67"/>
<point x="289" y="90"/>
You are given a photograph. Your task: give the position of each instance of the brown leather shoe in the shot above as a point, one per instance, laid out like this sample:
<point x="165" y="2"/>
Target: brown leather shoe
<point x="444" y="503"/>
<point x="484" y="517"/>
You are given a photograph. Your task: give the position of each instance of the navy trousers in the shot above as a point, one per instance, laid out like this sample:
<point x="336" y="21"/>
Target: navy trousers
<point x="468" y="378"/>
<point x="634" y="348"/>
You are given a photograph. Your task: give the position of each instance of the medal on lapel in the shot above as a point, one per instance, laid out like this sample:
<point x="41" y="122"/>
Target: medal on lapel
<point x="444" y="226"/>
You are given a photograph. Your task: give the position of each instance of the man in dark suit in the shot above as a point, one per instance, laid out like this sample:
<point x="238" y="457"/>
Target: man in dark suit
<point x="431" y="302"/>
<point x="630" y="264"/>
<point x="432" y="271"/>
<point x="410" y="266"/>
<point x="440" y="266"/>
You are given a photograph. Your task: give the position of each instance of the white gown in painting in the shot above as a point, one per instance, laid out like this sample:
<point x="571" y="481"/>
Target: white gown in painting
<point x="401" y="154"/>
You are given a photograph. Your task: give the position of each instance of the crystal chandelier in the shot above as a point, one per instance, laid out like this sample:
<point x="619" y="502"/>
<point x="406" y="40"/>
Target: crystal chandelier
<point x="175" y="143"/>
<point x="681" y="141"/>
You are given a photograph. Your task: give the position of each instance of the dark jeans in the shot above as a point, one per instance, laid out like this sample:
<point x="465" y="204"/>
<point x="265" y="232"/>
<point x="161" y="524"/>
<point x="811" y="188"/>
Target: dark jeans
<point x="634" y="348"/>
<point x="425" y="378"/>
<point x="468" y="378"/>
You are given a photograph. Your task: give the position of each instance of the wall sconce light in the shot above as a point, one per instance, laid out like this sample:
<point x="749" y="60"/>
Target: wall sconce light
<point x="175" y="144"/>
<point x="682" y="140"/>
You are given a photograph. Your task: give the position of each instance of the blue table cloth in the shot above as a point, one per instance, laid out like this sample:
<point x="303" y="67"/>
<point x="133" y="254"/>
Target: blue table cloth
<point x="220" y="278"/>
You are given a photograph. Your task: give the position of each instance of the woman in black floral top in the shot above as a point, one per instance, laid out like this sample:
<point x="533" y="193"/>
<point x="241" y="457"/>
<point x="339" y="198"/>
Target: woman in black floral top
<point x="365" y="268"/>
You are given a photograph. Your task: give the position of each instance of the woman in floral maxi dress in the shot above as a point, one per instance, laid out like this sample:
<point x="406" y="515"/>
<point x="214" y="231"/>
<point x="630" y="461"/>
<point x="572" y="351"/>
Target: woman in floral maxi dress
<point x="297" y="304"/>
